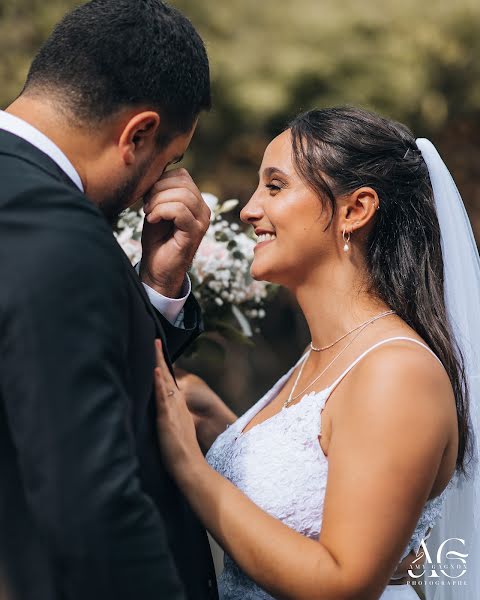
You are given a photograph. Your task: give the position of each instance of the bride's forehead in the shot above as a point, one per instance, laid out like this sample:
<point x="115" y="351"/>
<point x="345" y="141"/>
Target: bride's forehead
<point x="279" y="148"/>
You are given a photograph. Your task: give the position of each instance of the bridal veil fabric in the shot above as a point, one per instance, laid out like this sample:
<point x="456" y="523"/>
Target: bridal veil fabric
<point x="459" y="526"/>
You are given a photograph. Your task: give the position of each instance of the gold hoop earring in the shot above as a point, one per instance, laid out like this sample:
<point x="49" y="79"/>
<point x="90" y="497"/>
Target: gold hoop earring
<point x="346" y="238"/>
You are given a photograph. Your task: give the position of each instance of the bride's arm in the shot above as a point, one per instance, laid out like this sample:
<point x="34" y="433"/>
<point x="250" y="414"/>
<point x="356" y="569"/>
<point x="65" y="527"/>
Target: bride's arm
<point x="210" y="414"/>
<point x="382" y="465"/>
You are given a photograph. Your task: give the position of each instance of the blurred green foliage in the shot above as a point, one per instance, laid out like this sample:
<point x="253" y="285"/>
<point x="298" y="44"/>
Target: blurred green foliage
<point x="417" y="62"/>
<point x="413" y="59"/>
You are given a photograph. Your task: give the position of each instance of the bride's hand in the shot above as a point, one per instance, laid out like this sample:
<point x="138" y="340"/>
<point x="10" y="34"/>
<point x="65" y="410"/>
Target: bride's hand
<point x="175" y="425"/>
<point x="411" y="561"/>
<point x="210" y="414"/>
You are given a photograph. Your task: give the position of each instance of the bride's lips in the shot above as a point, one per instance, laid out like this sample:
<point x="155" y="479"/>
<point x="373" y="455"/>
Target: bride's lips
<point x="261" y="244"/>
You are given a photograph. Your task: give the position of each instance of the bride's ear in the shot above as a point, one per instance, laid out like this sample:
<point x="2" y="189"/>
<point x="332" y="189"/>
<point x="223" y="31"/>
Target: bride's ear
<point x="359" y="210"/>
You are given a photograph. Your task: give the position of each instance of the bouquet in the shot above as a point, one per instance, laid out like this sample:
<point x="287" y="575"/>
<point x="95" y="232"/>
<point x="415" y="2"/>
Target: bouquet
<point x="232" y="302"/>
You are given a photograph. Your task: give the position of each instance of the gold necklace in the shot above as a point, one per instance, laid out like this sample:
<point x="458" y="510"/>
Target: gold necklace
<point x="312" y="347"/>
<point x="291" y="396"/>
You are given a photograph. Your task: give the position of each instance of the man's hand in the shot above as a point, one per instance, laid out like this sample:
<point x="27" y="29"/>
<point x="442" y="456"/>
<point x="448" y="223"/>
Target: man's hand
<point x="176" y="220"/>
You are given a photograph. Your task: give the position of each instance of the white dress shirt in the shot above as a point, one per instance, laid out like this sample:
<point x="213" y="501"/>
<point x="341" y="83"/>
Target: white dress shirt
<point x="170" y="308"/>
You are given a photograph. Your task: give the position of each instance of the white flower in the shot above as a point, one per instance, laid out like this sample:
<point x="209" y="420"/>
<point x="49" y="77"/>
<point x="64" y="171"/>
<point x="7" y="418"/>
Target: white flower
<point x="132" y="248"/>
<point x="212" y="203"/>
<point x="125" y="235"/>
<point x="227" y="206"/>
<point x="141" y="220"/>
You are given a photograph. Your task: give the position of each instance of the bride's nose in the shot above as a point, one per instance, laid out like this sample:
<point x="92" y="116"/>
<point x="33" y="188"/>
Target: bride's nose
<point x="252" y="211"/>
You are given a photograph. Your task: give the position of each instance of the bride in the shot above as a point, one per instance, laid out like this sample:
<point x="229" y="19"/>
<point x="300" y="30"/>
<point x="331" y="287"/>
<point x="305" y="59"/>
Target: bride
<point x="338" y="473"/>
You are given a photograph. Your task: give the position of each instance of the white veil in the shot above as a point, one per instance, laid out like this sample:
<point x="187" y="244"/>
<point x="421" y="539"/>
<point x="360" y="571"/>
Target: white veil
<point x="460" y="516"/>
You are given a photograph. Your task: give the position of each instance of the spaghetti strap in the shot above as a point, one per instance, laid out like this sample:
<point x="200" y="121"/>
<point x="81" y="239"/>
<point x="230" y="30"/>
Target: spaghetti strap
<point x="393" y="339"/>
<point x="299" y="362"/>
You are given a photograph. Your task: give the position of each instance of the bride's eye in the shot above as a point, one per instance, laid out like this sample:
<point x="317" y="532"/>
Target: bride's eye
<point x="273" y="187"/>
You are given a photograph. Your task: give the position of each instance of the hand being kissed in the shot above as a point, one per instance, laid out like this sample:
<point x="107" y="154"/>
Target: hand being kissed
<point x="176" y="219"/>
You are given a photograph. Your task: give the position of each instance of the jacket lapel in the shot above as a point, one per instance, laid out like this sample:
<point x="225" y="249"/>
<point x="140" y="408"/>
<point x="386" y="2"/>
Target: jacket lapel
<point x="132" y="274"/>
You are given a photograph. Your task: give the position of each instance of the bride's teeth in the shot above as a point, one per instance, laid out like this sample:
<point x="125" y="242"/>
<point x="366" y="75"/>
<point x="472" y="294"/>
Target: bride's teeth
<point x="266" y="237"/>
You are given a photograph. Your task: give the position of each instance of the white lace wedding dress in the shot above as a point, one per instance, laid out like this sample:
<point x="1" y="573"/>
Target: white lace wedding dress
<point x="279" y="465"/>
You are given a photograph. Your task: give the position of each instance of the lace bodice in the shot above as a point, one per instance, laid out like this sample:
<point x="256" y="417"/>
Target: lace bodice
<point x="279" y="465"/>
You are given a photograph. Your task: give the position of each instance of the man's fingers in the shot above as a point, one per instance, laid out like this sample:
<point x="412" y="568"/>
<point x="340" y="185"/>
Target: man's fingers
<point x="168" y="181"/>
<point x="179" y="214"/>
<point x="175" y="195"/>
<point x="178" y="185"/>
<point x="178" y="172"/>
<point x="199" y="209"/>
<point x="172" y="211"/>
<point x="178" y="178"/>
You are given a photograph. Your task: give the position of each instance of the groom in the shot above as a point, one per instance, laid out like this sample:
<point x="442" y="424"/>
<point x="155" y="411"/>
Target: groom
<point x="87" y="510"/>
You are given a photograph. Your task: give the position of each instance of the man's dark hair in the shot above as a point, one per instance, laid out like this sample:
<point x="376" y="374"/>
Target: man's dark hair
<point x="110" y="54"/>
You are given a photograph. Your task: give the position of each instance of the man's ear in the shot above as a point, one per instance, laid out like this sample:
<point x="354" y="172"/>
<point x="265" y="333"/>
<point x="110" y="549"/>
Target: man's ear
<point x="139" y="134"/>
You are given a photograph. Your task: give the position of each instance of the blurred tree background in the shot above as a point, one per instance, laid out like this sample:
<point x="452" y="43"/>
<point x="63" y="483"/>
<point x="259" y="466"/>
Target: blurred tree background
<point x="416" y="62"/>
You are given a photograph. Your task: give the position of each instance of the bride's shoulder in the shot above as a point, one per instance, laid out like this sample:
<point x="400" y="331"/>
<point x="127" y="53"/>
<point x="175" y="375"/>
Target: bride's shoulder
<point x="403" y="362"/>
<point x="402" y="379"/>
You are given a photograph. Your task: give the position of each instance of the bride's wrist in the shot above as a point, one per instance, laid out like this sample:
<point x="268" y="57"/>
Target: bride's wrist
<point x="190" y="471"/>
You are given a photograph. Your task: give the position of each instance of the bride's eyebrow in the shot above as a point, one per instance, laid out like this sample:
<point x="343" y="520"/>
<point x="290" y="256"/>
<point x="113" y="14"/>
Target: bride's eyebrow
<point x="269" y="171"/>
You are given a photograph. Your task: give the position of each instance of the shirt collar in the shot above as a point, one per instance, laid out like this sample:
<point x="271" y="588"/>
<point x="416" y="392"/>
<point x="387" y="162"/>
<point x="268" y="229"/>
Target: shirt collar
<point x="30" y="134"/>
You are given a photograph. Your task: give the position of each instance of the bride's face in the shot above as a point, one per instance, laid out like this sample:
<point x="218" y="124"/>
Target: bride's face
<point x="288" y="220"/>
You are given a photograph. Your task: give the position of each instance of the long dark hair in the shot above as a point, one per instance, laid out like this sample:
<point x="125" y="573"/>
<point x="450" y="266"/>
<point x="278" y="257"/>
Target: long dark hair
<point x="338" y="150"/>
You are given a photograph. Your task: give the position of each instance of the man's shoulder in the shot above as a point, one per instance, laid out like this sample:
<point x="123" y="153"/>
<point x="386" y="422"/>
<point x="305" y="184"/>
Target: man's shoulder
<point x="19" y="156"/>
<point x="30" y="192"/>
<point x="46" y="223"/>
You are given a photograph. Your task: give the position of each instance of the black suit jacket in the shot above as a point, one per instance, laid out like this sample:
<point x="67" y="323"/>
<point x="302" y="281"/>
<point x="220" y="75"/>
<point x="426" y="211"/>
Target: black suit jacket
<point x="87" y="510"/>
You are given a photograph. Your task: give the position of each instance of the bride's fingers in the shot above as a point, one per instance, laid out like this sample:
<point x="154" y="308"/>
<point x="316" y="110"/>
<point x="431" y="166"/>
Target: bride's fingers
<point x="164" y="382"/>
<point x="179" y="373"/>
